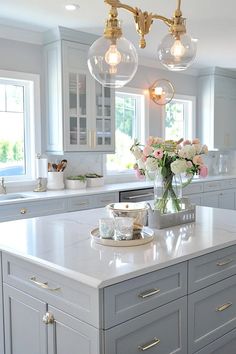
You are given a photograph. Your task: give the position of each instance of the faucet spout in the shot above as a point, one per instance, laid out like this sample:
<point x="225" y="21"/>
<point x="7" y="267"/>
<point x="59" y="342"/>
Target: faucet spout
<point x="3" y="189"/>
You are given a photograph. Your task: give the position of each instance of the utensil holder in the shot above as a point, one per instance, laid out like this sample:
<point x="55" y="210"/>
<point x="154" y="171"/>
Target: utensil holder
<point x="55" y="181"/>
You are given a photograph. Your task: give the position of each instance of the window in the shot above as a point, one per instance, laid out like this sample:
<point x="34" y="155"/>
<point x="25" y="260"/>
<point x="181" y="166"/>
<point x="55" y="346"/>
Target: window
<point x="19" y="120"/>
<point x="180" y="118"/>
<point x="131" y="122"/>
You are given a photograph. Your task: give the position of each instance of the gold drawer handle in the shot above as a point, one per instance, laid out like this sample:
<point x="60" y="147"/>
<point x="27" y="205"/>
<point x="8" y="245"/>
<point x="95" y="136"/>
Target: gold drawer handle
<point x="224" y="307"/>
<point x="149" y="293"/>
<point x="149" y="345"/>
<point x="43" y="285"/>
<point x="225" y="262"/>
<point x="23" y="211"/>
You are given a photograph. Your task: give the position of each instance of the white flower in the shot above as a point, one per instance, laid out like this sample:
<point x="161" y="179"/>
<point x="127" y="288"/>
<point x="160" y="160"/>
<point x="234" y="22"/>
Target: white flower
<point x="187" y="152"/>
<point x="198" y="148"/>
<point x="178" y="166"/>
<point x="151" y="164"/>
<point x="137" y="152"/>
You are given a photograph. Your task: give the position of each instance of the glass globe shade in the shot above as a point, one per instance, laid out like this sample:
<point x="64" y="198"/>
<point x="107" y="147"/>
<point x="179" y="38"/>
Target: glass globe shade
<point x="161" y="91"/>
<point x="113" y="64"/>
<point x="177" y="54"/>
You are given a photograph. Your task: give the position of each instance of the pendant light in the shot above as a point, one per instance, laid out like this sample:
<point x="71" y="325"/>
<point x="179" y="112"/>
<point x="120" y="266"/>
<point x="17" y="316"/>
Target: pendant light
<point x="113" y="60"/>
<point x="161" y="92"/>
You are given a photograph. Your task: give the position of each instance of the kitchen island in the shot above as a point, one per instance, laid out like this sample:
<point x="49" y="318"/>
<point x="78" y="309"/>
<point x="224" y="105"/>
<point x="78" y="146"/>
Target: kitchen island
<point x="63" y="293"/>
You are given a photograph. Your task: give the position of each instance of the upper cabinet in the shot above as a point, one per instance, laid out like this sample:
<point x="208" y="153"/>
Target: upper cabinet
<point x="217" y="108"/>
<point x="80" y="111"/>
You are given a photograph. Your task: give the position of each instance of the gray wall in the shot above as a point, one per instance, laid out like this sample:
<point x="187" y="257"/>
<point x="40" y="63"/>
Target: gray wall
<point x="25" y="57"/>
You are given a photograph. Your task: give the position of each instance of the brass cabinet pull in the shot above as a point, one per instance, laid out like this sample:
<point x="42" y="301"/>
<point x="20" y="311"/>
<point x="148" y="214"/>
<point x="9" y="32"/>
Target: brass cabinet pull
<point x="23" y="211"/>
<point x="139" y="196"/>
<point x="149" y="345"/>
<point x="42" y="285"/>
<point x="48" y="318"/>
<point x="149" y="293"/>
<point x="224" y="307"/>
<point x="224" y="262"/>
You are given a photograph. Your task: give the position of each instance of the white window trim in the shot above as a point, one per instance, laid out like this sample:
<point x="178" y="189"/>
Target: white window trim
<point x="182" y="98"/>
<point x="34" y="127"/>
<point x="129" y="176"/>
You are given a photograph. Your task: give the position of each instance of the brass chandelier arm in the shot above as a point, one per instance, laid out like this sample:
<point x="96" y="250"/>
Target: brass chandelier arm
<point x="144" y="20"/>
<point x="118" y="4"/>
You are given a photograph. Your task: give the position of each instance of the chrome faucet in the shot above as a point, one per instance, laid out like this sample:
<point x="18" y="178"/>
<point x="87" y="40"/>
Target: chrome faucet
<point x="3" y="188"/>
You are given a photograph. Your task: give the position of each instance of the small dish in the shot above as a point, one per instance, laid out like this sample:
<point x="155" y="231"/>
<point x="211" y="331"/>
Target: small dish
<point x="140" y="237"/>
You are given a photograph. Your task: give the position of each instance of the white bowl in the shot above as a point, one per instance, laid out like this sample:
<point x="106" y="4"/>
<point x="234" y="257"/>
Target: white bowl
<point x="75" y="184"/>
<point x="95" y="182"/>
<point x="137" y="211"/>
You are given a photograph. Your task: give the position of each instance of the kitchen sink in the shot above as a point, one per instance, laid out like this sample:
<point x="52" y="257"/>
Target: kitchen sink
<point x="5" y="197"/>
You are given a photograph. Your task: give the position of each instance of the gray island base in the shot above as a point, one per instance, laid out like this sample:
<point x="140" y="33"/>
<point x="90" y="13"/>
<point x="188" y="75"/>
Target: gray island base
<point x="61" y="293"/>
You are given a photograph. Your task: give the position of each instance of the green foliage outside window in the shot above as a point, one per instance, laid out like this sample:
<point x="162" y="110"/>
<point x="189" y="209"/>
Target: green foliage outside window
<point x="11" y="152"/>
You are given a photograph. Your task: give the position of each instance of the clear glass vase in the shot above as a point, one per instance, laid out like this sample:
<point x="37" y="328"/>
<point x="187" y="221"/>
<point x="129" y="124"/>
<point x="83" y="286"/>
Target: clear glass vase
<point x="167" y="193"/>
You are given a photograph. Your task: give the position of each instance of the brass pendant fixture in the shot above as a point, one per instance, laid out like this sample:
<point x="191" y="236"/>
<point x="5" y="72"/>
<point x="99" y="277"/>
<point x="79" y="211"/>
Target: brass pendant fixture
<point x="113" y="60"/>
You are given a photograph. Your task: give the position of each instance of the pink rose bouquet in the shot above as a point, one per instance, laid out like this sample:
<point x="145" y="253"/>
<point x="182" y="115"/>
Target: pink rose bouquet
<point x="169" y="158"/>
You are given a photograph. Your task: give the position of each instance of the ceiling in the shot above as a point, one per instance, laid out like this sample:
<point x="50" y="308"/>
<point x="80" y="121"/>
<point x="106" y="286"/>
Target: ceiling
<point x="212" y="22"/>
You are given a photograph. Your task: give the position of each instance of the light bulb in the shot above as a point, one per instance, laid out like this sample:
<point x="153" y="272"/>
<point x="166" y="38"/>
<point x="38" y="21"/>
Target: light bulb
<point x="113" y="56"/>
<point x="177" y="49"/>
<point x="158" y="91"/>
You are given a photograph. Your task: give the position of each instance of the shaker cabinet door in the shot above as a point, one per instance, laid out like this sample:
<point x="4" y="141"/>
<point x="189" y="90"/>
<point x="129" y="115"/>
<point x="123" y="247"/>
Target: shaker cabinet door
<point x="25" y="331"/>
<point x="69" y="335"/>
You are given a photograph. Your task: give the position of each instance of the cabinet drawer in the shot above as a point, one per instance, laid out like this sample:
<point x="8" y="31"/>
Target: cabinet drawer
<point x="211" y="313"/>
<point x="163" y="331"/>
<point x="212" y="186"/>
<point x="80" y="203"/>
<point x="193" y="188"/>
<point x="69" y="295"/>
<point x="105" y="199"/>
<point x="223" y="345"/>
<point x="133" y="297"/>
<point x="31" y="209"/>
<point x="228" y="183"/>
<point x="210" y="268"/>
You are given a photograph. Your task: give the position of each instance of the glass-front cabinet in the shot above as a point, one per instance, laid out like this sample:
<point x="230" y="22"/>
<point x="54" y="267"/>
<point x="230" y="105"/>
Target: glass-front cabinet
<point x="87" y="114"/>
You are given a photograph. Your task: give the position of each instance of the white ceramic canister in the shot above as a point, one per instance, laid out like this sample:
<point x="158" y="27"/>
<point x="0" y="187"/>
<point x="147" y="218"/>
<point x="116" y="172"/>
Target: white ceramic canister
<point x="55" y="181"/>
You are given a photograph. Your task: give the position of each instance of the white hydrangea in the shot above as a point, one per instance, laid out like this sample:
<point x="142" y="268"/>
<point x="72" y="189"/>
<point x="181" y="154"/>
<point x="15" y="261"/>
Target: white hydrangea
<point x="198" y="148"/>
<point x="178" y="166"/>
<point x="187" y="152"/>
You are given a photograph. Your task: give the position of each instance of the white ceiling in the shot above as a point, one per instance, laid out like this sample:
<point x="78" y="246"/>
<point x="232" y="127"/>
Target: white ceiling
<point x="213" y="22"/>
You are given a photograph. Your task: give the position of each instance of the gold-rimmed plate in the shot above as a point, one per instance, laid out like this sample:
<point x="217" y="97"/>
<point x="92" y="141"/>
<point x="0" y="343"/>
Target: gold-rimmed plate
<point x="140" y="237"/>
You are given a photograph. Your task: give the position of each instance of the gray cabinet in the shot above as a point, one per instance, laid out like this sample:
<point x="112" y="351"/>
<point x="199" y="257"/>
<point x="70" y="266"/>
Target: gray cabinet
<point x="1" y="310"/>
<point x="163" y="330"/>
<point x="25" y="331"/>
<point x="211" y="313"/>
<point x="67" y="334"/>
<point x="26" y="209"/>
<point x="80" y="112"/>
<point x="217" y="105"/>
<point x="223" y="345"/>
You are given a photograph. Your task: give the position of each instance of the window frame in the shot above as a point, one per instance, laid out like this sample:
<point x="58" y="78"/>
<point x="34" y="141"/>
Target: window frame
<point x="192" y="127"/>
<point x="142" y="136"/>
<point x="32" y="123"/>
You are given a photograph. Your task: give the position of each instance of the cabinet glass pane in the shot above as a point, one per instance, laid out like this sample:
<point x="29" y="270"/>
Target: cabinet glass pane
<point x="73" y="94"/>
<point x="107" y="140"/>
<point x="73" y="130"/>
<point x="107" y="102"/>
<point x="83" y="131"/>
<point x="82" y="94"/>
<point x="99" y="100"/>
<point x="107" y="126"/>
<point x="100" y="132"/>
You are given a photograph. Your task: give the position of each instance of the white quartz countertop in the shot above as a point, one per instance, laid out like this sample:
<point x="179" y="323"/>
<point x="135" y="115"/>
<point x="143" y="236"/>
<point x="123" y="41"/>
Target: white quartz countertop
<point x="107" y="188"/>
<point x="62" y="243"/>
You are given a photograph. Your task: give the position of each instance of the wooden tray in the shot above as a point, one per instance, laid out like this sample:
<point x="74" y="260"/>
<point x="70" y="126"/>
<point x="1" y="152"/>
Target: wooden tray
<point x="141" y="237"/>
